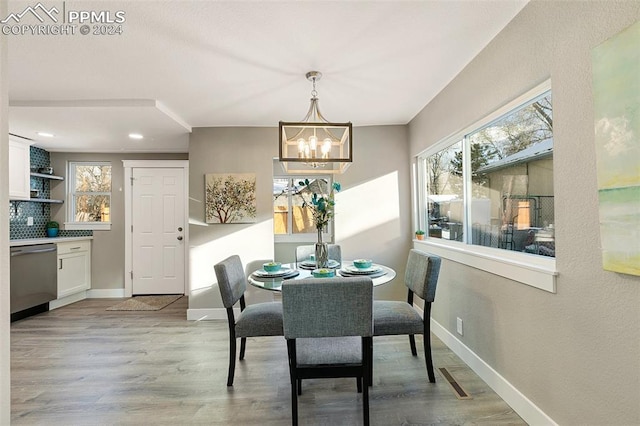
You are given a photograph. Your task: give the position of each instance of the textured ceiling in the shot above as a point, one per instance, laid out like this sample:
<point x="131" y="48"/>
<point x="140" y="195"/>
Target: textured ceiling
<point x="184" y="64"/>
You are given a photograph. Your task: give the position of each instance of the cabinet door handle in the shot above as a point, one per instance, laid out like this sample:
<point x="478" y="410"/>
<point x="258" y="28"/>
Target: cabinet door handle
<point x="60" y="266"/>
<point x="75" y="248"/>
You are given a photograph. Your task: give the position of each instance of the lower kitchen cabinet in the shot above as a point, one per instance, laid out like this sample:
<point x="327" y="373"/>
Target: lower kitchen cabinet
<point x="74" y="267"/>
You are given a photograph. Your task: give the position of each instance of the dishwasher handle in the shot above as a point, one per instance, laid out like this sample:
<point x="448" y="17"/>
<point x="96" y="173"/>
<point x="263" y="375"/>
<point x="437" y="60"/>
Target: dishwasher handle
<point x="24" y="252"/>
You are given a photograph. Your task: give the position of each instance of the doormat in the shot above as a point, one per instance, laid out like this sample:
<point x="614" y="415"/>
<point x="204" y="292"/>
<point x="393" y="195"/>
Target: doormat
<point x="145" y="303"/>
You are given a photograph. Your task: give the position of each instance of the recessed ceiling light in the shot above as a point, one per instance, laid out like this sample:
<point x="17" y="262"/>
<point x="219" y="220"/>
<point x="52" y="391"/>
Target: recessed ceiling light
<point x="136" y="136"/>
<point x="45" y="134"/>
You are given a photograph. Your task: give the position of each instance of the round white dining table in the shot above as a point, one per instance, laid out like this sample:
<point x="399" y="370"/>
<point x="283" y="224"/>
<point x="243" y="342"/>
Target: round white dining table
<point x="275" y="284"/>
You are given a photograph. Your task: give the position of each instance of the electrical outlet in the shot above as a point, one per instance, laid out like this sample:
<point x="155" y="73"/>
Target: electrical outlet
<point x="30" y="221"/>
<point x="459" y="326"/>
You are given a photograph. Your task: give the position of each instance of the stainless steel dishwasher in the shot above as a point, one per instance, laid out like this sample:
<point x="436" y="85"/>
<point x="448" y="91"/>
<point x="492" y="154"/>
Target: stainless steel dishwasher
<point x="33" y="279"/>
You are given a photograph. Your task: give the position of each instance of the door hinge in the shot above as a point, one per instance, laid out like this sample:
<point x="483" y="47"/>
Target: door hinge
<point x="132" y="178"/>
<point x="131" y="273"/>
<point x="131" y="228"/>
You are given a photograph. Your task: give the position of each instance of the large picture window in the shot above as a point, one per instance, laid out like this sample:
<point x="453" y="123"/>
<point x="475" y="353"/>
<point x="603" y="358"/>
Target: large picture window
<point x="492" y="185"/>
<point x="89" y="200"/>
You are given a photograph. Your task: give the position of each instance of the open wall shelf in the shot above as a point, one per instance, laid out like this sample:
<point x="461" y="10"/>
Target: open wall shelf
<point x="45" y="176"/>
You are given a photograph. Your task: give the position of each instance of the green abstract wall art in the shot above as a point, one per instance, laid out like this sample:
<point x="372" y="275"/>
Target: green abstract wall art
<point x="616" y="92"/>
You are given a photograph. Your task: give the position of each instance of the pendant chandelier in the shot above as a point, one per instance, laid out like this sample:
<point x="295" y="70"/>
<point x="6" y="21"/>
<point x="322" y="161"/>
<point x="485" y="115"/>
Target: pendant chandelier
<point x="315" y="145"/>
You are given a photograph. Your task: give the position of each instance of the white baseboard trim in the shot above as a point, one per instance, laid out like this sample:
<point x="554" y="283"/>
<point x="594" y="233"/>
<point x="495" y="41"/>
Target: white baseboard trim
<point x="105" y="293"/>
<point x="207" y="314"/>
<point x="526" y="409"/>
<point x="63" y="301"/>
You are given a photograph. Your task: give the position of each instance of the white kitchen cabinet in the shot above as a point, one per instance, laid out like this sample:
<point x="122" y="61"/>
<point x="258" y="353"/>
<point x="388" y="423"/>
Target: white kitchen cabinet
<point x="19" y="171"/>
<point x="74" y="267"/>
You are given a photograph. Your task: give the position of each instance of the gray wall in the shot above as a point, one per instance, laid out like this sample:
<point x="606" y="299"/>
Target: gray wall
<point x="574" y="354"/>
<point x="369" y="221"/>
<point x="228" y="150"/>
<point x="373" y="210"/>
<point x="107" y="250"/>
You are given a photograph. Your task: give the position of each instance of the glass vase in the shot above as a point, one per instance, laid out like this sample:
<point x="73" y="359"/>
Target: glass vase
<point x="322" y="252"/>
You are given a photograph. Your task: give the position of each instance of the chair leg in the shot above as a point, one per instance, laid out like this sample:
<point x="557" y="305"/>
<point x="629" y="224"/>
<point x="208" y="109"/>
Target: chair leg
<point x="359" y="384"/>
<point x="370" y="378"/>
<point x="365" y="405"/>
<point x="232" y="360"/>
<point x="243" y="345"/>
<point x="412" y="342"/>
<point x="428" y="359"/>
<point x="232" y="346"/>
<point x="299" y="386"/>
<point x="294" y="402"/>
<point x="426" y="340"/>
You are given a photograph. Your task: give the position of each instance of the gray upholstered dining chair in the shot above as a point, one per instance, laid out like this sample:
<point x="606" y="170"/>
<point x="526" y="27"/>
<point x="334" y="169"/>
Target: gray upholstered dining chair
<point x="398" y="318"/>
<point x="328" y="327"/>
<point x="303" y="252"/>
<point x="260" y="319"/>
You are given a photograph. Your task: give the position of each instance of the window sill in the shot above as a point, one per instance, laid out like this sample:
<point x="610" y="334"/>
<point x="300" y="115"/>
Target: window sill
<point x="537" y="271"/>
<point x="87" y="226"/>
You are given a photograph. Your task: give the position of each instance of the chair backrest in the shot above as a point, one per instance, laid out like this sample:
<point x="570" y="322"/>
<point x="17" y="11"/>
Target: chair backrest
<point x="421" y="274"/>
<point x="303" y="252"/>
<point x="231" y="280"/>
<point x="327" y="307"/>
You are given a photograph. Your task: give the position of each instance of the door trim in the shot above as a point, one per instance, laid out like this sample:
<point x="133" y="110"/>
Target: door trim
<point x="129" y="165"/>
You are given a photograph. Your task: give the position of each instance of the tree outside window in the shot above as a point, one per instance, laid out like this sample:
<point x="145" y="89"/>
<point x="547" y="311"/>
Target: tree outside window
<point x="90" y="192"/>
<point x="505" y="166"/>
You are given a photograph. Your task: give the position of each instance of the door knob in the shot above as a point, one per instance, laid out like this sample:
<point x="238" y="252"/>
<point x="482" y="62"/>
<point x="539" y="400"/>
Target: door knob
<point x="180" y="238"/>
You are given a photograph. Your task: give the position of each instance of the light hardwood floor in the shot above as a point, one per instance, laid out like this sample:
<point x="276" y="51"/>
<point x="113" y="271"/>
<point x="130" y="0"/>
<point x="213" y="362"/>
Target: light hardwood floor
<point x="83" y="365"/>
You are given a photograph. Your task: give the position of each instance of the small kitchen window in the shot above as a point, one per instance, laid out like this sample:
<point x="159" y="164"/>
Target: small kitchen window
<point x="89" y="196"/>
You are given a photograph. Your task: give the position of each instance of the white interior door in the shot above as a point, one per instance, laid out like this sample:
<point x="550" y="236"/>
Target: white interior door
<point x="158" y="223"/>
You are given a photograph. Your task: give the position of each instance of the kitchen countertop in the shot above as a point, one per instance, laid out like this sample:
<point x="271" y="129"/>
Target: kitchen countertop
<point x="31" y="241"/>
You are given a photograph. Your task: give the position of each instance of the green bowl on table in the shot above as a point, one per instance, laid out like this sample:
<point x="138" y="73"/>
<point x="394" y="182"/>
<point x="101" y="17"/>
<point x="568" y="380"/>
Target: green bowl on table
<point x="272" y="266"/>
<point x="362" y="263"/>
<point x="323" y="273"/>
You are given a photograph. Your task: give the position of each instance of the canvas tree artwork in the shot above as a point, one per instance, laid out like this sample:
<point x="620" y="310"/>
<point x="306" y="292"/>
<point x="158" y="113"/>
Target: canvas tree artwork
<point x="230" y="198"/>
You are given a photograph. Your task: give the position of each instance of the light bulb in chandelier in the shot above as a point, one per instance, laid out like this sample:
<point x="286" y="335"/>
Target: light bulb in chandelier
<point x="308" y="149"/>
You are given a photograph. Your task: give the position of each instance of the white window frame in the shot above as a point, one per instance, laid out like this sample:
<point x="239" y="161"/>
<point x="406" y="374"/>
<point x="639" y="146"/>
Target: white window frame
<point x="309" y="237"/>
<point x="70" y="223"/>
<point x="537" y="271"/>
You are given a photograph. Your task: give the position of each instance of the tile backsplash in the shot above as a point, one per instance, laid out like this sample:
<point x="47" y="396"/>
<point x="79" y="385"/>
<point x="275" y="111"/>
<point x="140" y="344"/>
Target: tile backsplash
<point x="20" y="211"/>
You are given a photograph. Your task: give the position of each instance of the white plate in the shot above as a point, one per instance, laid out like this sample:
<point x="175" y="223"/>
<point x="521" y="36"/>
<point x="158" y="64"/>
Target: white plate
<point x="312" y="264"/>
<point x="364" y="271"/>
<point x="282" y="272"/>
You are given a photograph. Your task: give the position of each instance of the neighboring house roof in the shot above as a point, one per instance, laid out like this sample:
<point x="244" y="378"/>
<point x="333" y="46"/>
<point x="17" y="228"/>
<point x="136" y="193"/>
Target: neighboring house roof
<point x="534" y="152"/>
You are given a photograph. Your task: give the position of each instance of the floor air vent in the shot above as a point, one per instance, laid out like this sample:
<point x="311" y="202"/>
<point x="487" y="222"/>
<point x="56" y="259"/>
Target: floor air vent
<point x="457" y="389"/>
